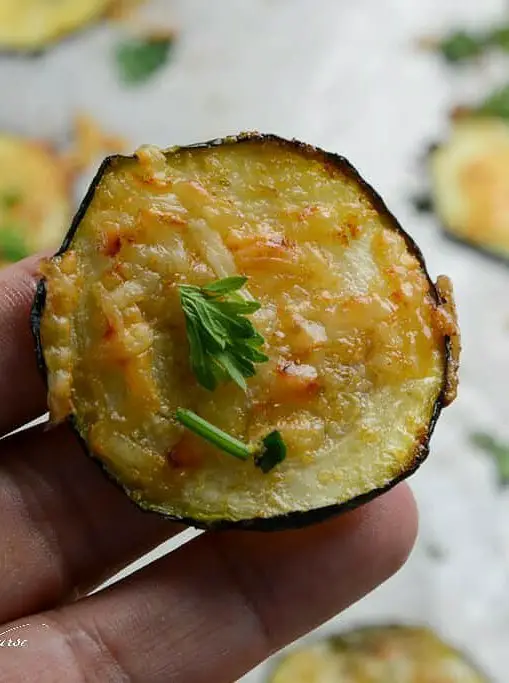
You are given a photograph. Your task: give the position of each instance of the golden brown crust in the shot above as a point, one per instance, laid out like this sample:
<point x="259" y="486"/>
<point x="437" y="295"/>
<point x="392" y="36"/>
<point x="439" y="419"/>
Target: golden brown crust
<point x="356" y="345"/>
<point x="448" y="320"/>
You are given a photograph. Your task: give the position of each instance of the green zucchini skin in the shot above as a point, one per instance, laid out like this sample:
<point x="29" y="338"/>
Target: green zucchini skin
<point x="292" y="520"/>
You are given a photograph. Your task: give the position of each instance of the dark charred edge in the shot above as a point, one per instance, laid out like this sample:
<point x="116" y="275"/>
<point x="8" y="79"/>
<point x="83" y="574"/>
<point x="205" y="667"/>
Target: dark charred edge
<point x="301" y="518"/>
<point x="341" y="163"/>
<point x="37" y="309"/>
<point x="286" y="522"/>
<point x="36" y="312"/>
<point x="68" y="36"/>
<point x="87" y="200"/>
<point x="290" y="521"/>
<point x="341" y="639"/>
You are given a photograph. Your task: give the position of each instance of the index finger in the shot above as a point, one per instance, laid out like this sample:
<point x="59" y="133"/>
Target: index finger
<point x="22" y="390"/>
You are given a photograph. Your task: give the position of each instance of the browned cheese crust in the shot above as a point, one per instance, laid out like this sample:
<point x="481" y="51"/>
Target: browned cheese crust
<point x="363" y="348"/>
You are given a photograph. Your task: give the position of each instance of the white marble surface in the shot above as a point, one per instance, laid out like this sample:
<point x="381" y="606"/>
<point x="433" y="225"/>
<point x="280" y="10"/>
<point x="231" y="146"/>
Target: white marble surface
<point x="343" y="75"/>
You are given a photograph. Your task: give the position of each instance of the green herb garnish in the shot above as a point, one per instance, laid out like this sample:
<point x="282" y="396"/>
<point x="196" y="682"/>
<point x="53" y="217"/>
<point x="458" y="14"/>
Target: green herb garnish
<point x="497" y="104"/>
<point x="224" y="345"/>
<point x="460" y="46"/>
<point x="12" y="244"/>
<point x="266" y="453"/>
<point x="499" y="37"/>
<point x="498" y="450"/>
<point x="138" y="60"/>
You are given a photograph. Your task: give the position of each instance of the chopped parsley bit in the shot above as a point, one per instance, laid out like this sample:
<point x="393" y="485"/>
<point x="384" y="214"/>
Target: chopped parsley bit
<point x="497" y="104"/>
<point x="267" y="453"/>
<point x="272" y="453"/>
<point x="461" y="46"/>
<point x="139" y="59"/>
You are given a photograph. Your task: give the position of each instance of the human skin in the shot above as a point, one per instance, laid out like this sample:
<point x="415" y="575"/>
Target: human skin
<point x="208" y="612"/>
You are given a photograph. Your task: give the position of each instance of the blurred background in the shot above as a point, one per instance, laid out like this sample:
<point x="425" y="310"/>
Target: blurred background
<point x="378" y="81"/>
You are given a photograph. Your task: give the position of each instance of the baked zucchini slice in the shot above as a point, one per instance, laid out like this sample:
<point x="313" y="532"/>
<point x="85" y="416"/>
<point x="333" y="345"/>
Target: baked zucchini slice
<point x="470" y="183"/>
<point x="380" y="654"/>
<point x="355" y="348"/>
<point x="35" y="198"/>
<point x="32" y="25"/>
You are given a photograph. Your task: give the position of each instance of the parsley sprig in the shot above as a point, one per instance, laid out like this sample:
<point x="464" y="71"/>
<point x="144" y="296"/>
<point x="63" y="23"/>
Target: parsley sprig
<point x="140" y="59"/>
<point x="224" y="344"/>
<point x="267" y="453"/>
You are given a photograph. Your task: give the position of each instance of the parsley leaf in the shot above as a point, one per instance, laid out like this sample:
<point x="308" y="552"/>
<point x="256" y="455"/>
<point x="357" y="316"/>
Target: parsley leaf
<point x="498" y="450"/>
<point x="138" y="60"/>
<point x="223" y="344"/>
<point x="497" y="104"/>
<point x="460" y="46"/>
<point x="12" y="244"/>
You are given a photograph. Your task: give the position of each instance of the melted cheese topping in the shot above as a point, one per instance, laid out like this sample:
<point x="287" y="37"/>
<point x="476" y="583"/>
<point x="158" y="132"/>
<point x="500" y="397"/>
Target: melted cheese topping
<point x="471" y="183"/>
<point x="38" y="182"/>
<point x="32" y="24"/>
<point x="352" y="329"/>
<point x="378" y="655"/>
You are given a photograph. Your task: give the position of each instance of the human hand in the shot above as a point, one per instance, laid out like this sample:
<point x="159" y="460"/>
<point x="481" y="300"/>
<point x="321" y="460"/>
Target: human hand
<point x="208" y="612"/>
